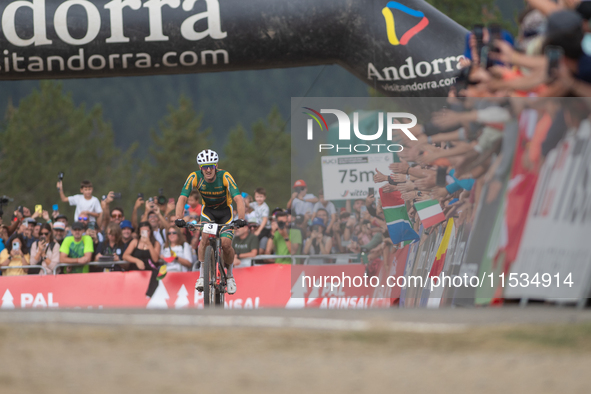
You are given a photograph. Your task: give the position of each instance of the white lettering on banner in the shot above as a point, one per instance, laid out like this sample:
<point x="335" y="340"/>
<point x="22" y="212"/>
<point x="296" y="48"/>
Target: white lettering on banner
<point x="411" y="71"/>
<point x="239" y="303"/>
<point x="39" y="28"/>
<point x="116" y="21"/>
<point x="214" y="29"/>
<point x="115" y="8"/>
<point x="155" y="11"/>
<point x="60" y="22"/>
<point x="27" y="299"/>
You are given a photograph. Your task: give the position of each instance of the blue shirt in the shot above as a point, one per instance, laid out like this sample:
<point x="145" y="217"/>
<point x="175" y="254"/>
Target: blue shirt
<point x="458" y="184"/>
<point x="2" y="247"/>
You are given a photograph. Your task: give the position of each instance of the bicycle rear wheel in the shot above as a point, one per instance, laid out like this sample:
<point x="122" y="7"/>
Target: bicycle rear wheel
<point x="209" y="291"/>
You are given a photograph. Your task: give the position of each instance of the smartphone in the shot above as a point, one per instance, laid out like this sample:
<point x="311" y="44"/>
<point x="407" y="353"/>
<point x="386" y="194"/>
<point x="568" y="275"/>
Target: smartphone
<point x="38" y="209"/>
<point x="16" y="246"/>
<point x="441" y="176"/>
<point x="60" y="176"/>
<point x="478" y="31"/>
<point x="145" y="234"/>
<point x="370" y="191"/>
<point x="117" y="195"/>
<point x="363" y="209"/>
<point x="140" y="195"/>
<point x="55" y="207"/>
<point x="495" y="34"/>
<point x="484" y="59"/>
<point x="554" y="55"/>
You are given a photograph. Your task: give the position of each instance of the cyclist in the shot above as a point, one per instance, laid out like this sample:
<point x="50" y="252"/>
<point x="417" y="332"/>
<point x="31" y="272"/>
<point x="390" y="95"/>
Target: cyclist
<point x="218" y="189"/>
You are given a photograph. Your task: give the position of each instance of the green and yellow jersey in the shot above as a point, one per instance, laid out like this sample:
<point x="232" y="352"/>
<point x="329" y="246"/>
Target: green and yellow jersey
<point x="217" y="195"/>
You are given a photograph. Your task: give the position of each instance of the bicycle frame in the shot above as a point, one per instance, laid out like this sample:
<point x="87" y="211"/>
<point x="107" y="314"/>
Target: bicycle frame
<point x="214" y="285"/>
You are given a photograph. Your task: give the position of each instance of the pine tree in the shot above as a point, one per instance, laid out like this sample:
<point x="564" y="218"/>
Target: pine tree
<point x="262" y="159"/>
<point x="174" y="150"/>
<point x="47" y="134"/>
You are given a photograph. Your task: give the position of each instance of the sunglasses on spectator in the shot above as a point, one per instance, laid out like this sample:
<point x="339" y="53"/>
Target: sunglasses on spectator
<point x="82" y="218"/>
<point x="172" y="233"/>
<point x="45" y="233"/>
<point x="208" y="167"/>
<point x="116" y="216"/>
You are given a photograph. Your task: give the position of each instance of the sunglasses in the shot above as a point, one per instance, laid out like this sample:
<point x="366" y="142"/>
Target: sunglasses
<point x="45" y="233"/>
<point x="172" y="233"/>
<point x="117" y="216"/>
<point x="82" y="218"/>
<point x="209" y="167"/>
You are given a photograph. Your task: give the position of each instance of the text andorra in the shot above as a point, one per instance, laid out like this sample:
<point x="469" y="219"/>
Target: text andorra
<point x="116" y="9"/>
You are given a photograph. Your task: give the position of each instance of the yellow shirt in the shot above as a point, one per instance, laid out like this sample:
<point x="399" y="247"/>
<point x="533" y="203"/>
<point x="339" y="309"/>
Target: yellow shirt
<point x="16" y="261"/>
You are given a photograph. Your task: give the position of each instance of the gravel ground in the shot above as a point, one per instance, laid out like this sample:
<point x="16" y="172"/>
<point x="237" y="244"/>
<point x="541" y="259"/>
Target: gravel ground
<point x="535" y="356"/>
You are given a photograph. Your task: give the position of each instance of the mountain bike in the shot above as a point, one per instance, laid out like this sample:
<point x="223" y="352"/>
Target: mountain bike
<point x="214" y="272"/>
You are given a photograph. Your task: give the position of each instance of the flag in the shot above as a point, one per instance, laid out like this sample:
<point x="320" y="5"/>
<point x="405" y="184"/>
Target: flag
<point x="430" y="212"/>
<point x="442" y="250"/>
<point x="397" y="217"/>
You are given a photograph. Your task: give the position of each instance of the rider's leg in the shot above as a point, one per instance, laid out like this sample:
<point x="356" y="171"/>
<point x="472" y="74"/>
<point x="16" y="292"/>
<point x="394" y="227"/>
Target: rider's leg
<point x="228" y="251"/>
<point x="201" y="251"/>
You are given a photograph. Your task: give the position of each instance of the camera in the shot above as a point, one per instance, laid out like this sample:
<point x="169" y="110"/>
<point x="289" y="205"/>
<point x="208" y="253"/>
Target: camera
<point x="161" y="197"/>
<point x="5" y="200"/>
<point x="282" y="225"/>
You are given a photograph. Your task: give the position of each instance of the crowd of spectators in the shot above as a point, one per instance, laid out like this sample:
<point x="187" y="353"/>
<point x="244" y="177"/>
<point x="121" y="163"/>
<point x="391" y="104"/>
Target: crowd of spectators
<point x="506" y="91"/>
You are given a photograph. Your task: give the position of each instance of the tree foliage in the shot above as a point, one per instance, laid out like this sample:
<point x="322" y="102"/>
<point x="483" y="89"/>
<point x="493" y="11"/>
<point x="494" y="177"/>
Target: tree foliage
<point x="174" y="150"/>
<point x="469" y="12"/>
<point x="261" y="157"/>
<point x="47" y="134"/>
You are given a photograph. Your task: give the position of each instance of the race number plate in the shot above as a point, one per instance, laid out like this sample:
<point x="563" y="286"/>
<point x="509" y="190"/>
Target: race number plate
<point x="210" y="228"/>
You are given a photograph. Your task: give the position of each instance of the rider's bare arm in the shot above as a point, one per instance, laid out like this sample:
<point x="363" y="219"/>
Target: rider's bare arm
<point x="180" y="206"/>
<point x="239" y="206"/>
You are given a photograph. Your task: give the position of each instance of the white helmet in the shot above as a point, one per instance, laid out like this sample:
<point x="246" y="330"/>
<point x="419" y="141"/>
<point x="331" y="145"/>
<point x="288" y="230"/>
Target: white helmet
<point x="207" y="156"/>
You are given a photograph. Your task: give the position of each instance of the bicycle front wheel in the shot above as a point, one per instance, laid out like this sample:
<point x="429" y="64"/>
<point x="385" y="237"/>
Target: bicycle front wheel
<point x="209" y="291"/>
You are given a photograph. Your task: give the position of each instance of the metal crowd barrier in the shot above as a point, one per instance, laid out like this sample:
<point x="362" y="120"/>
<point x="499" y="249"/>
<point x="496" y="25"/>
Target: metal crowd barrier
<point x="25" y="267"/>
<point x="339" y="258"/>
<point x="92" y="263"/>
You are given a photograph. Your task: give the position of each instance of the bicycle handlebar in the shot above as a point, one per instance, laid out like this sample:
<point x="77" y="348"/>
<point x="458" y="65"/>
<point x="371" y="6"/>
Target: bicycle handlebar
<point x="195" y="226"/>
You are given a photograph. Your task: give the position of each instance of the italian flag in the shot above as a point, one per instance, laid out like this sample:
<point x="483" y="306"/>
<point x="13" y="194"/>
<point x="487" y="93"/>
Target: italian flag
<point x="430" y="212"/>
<point x="442" y="250"/>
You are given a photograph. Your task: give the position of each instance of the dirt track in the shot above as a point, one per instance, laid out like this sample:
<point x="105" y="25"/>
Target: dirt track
<point x="67" y="358"/>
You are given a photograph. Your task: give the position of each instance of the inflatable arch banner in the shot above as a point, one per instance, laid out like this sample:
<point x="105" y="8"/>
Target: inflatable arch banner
<point x="402" y="47"/>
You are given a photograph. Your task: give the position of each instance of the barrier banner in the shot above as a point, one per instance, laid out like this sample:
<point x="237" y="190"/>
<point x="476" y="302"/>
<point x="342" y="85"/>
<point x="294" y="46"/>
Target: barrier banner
<point x="402" y="47"/>
<point x="554" y="258"/>
<point x="263" y="286"/>
<point x="334" y="286"/>
<point x="266" y="286"/>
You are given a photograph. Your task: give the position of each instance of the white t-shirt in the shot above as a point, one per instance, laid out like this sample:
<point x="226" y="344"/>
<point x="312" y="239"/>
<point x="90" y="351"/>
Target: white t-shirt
<point x="160" y="236"/>
<point x="82" y="204"/>
<point x="183" y="251"/>
<point x="260" y="212"/>
<point x="329" y="208"/>
<point x="301" y="207"/>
